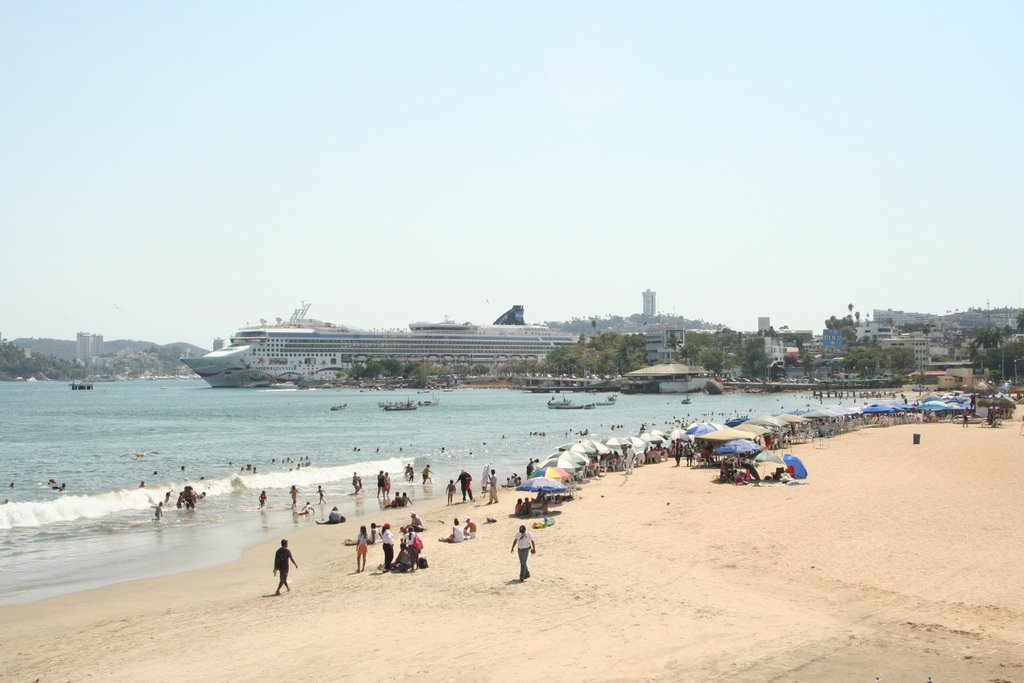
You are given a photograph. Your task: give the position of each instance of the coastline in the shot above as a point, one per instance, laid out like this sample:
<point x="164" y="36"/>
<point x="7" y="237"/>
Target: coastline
<point x="895" y="560"/>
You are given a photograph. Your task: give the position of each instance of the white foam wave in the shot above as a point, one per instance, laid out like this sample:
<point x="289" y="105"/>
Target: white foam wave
<point x="66" y="508"/>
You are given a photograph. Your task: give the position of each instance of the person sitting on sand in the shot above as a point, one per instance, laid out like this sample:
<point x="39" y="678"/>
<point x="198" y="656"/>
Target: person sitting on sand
<point x="457" y="535"/>
<point x="403" y="562"/>
<point x="335" y="517"/>
<point x="416" y="524"/>
<point x="519" y="507"/>
<point x="527" y="507"/>
<point x="470" y="528"/>
<point x="306" y="509"/>
<point x="405" y="499"/>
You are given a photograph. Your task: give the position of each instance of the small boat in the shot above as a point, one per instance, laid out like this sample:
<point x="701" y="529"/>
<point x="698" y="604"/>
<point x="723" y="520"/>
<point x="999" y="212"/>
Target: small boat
<point x="340" y="406"/>
<point x="390" y="406"/>
<point x="686" y="401"/>
<point x="610" y="401"/>
<point x="564" y="404"/>
<point x="429" y="404"/>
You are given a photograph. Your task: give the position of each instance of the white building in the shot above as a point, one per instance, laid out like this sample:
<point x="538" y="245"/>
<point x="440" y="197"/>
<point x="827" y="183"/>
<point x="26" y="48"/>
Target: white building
<point x="874" y="330"/>
<point x="89" y="346"/>
<point x="662" y="344"/>
<point x="650" y="303"/>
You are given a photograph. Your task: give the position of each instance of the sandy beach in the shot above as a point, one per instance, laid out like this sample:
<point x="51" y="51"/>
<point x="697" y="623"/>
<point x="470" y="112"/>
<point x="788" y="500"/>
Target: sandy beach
<point x="895" y="560"/>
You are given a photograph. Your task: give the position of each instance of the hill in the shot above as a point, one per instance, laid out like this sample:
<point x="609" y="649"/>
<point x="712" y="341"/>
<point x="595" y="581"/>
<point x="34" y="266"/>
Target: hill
<point x="64" y="349"/>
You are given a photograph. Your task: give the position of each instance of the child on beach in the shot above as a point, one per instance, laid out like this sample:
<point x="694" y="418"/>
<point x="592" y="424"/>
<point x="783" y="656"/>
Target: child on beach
<point x="451" y="490"/>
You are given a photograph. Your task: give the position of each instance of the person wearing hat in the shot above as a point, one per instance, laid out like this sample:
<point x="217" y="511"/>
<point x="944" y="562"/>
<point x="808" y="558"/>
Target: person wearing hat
<point x="416" y="524"/>
<point x="469" y="528"/>
<point x="387" y="539"/>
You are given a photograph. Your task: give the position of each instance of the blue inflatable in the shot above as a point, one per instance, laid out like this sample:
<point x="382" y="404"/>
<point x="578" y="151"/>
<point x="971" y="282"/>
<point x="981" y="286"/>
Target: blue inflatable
<point x="799" y="471"/>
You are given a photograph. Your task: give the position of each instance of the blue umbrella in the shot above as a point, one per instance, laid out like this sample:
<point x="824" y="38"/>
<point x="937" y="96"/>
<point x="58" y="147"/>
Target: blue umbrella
<point x="541" y="485"/>
<point x="738" y="447"/>
<point x="877" y="408"/>
<point x="934" y="406"/>
<point x="702" y="428"/>
<point x="736" y="421"/>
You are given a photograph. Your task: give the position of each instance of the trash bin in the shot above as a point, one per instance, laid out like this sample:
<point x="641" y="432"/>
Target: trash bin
<point x="917" y="439"/>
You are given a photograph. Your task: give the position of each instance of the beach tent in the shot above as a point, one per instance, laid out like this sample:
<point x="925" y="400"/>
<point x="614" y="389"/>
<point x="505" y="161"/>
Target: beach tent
<point x="753" y="428"/>
<point x="934" y="406"/>
<point x="789" y="417"/>
<point x="768" y="421"/>
<point x="732" y="422"/>
<point x="723" y="435"/>
<point x="799" y="471"/>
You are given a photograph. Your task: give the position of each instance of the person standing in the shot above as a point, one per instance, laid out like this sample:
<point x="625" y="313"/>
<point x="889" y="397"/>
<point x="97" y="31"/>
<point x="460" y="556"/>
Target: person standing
<point x="263" y="499"/>
<point x="320" y="490"/>
<point x="414" y="544"/>
<point x="159" y="512"/>
<point x="362" y="547"/>
<point x="523" y="542"/>
<point x="426" y="475"/>
<point x="485" y="479"/>
<point x="529" y="468"/>
<point x="380" y="483"/>
<point x="451" y="491"/>
<point x="387" y="539"/>
<point x="493" y="488"/>
<point x="295" y="495"/>
<point x="281" y="559"/>
<point x="466" y="482"/>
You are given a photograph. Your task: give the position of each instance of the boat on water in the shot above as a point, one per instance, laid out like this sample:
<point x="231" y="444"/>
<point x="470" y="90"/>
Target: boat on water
<point x="306" y="350"/>
<point x="565" y="404"/>
<point x="686" y="401"/>
<point x="340" y="406"/>
<point x="390" y="406"/>
<point x="429" y="404"/>
<point x="610" y="401"/>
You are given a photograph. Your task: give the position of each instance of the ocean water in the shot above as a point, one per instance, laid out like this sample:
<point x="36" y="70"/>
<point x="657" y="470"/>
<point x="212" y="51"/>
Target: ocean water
<point x="103" y="443"/>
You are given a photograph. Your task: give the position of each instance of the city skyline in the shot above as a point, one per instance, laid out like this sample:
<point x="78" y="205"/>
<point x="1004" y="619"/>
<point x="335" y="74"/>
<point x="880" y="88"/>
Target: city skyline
<point x="173" y="172"/>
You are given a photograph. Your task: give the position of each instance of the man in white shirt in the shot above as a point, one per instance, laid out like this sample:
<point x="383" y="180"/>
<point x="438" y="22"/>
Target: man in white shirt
<point x="493" y="488"/>
<point x="523" y="542"/>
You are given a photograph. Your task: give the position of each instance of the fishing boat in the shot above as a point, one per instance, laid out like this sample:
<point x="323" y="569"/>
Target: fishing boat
<point x="610" y="401"/>
<point x="429" y="404"/>
<point x="565" y="404"/>
<point x="390" y="406"/>
<point x="686" y="401"/>
<point x="340" y="406"/>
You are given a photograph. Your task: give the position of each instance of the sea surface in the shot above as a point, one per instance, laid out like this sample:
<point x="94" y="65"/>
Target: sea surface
<point x="104" y="443"/>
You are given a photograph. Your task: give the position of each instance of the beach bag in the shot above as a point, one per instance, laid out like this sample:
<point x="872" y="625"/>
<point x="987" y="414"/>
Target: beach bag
<point x="422" y="564"/>
<point x="417" y="542"/>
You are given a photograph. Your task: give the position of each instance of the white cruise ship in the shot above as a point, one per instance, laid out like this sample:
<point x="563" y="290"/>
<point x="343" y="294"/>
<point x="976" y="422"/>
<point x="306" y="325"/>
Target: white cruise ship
<point x="302" y="349"/>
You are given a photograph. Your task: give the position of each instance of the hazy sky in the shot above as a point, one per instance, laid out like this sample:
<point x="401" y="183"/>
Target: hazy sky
<point x="172" y="170"/>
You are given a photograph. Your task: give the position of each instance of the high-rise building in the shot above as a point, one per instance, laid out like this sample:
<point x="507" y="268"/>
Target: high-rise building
<point x="764" y="324"/>
<point x="650" y="303"/>
<point x="89" y="347"/>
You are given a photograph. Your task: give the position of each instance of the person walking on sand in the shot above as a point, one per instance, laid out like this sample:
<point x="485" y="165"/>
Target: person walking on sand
<point x="281" y="559"/>
<point x="451" y="490"/>
<point x="524" y="543"/>
<point x="320" y="490"/>
<point x="493" y="488"/>
<point x="263" y="499"/>
<point x="466" y="481"/>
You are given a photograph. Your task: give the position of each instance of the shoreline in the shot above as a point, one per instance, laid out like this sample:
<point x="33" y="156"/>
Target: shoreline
<point x="893" y="561"/>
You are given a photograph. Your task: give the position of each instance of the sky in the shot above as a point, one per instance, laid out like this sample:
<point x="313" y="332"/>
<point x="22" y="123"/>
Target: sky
<point x="172" y="171"/>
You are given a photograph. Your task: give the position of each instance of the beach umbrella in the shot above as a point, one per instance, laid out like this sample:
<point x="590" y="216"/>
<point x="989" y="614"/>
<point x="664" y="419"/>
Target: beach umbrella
<point x="789" y="417"/>
<point x="617" y="442"/>
<point x="820" y="414"/>
<point x="651" y="437"/>
<point x="738" y="447"/>
<point x="732" y="422"/>
<point x="556" y="473"/>
<point x="768" y="456"/>
<point x="768" y="421"/>
<point x="679" y="434"/>
<point x="540" y="485"/>
<point x="567" y="446"/>
<point x="753" y="428"/>
<point x="700" y="429"/>
<point x="599" y="448"/>
<point x="635" y="442"/>
<point x="566" y="460"/>
<point x="723" y="435"/>
<point x="877" y="408"/>
<point x="658" y="432"/>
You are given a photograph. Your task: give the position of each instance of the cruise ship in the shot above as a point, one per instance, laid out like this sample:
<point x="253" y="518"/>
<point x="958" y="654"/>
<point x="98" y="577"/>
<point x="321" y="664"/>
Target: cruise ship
<point x="303" y="349"/>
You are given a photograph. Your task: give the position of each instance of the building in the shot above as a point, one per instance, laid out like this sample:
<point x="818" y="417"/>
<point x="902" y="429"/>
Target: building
<point x="89" y="347"/>
<point x="902" y="318"/>
<point x="650" y="303"/>
<point x="919" y="344"/>
<point x="764" y="324"/>
<point x="874" y="330"/>
<point x="663" y="343"/>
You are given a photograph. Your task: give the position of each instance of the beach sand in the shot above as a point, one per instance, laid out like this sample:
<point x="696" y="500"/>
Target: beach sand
<point x="896" y="560"/>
